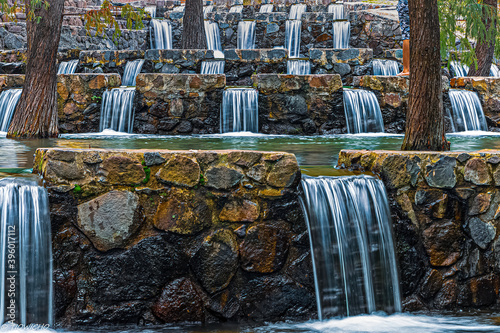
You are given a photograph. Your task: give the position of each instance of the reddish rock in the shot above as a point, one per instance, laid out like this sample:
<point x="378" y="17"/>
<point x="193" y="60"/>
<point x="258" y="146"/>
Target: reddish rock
<point x="442" y="241"/>
<point x="477" y="172"/>
<point x="480" y="204"/>
<point x="447" y="296"/>
<point x="180" y="301"/>
<point x="433" y="281"/>
<point x="284" y="173"/>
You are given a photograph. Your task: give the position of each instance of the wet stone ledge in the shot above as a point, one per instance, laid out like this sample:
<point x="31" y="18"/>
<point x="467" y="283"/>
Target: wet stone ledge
<point x="175" y="61"/>
<point x="445" y="209"/>
<point x="300" y="104"/>
<point x="158" y="236"/>
<point x="107" y="61"/>
<point x="14" y="61"/>
<point x="240" y="65"/>
<point x="178" y="103"/>
<point x="488" y="89"/>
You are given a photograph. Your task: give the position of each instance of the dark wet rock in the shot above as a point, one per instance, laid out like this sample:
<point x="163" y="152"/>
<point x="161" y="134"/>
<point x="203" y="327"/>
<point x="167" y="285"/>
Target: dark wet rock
<point x="180" y="170"/>
<point x="412" y="304"/>
<point x="222" y="178"/>
<point x="180" y="301"/>
<point x="463" y="157"/>
<point x="480" y="204"/>
<point x="284" y="173"/>
<point x="216" y="261"/>
<point x="442" y="173"/>
<point x="493" y="160"/>
<point x="432" y="283"/>
<point x="240" y="211"/>
<point x="442" y="241"/>
<point x="447" y="296"/>
<point x="122" y="170"/>
<point x="151" y="159"/>
<point x="481" y="232"/>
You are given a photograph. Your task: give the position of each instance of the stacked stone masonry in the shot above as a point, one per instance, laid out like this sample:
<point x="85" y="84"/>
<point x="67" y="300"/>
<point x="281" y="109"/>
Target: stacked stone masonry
<point x="148" y="237"/>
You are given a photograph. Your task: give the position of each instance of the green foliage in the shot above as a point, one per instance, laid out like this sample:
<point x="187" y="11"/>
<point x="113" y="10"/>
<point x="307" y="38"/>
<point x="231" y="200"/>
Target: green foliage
<point x="77" y="189"/>
<point x="147" y="170"/>
<point x="202" y="180"/>
<point x="105" y="18"/>
<point x="462" y="26"/>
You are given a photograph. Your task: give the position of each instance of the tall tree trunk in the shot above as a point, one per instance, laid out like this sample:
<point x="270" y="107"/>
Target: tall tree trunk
<point x="486" y="49"/>
<point x="36" y="112"/>
<point x="193" y="33"/>
<point x="425" y="117"/>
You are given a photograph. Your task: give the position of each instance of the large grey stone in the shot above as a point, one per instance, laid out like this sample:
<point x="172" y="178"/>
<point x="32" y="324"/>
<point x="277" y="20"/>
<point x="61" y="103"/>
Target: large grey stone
<point x="481" y="232"/>
<point x="442" y="173"/>
<point x="108" y="220"/>
<point x="222" y="178"/>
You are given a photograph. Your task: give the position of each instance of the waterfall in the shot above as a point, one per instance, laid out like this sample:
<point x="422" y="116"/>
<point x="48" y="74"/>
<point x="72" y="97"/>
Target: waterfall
<point x="296" y="11"/>
<point x="151" y="10"/>
<point x="206" y="10"/>
<point x="240" y="110"/>
<point x="385" y="67"/>
<point x="26" y="259"/>
<point x="8" y="102"/>
<point x="292" y="38"/>
<point x="246" y="35"/>
<point x="162" y="32"/>
<point x="132" y="68"/>
<point x="266" y="8"/>
<point x="362" y="112"/>
<point x="117" y="111"/>
<point x="212" y="67"/>
<point x="236" y="9"/>
<point x="298" y="67"/>
<point x="337" y="10"/>
<point x="459" y="69"/>
<point x="350" y="232"/>
<point x="341" y="32"/>
<point x="213" y="36"/>
<point x="179" y="9"/>
<point x="494" y="71"/>
<point x="467" y="112"/>
<point x="67" y="67"/>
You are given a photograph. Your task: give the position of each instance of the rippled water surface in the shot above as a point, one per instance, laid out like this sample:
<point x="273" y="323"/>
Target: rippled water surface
<point x="316" y="154"/>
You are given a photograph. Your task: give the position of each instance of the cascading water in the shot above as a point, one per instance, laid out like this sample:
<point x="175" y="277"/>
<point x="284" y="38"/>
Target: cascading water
<point x="8" y="102"/>
<point x="132" y="68"/>
<point x="212" y="67"/>
<point x="467" y="112"/>
<point x="362" y="112"/>
<point x="350" y="232"/>
<point x="341" y="32"/>
<point x="337" y="10"/>
<point x="26" y="259"/>
<point x="292" y="37"/>
<point x="179" y="9"/>
<point x="298" y="67"/>
<point x="494" y="71"/>
<point x="236" y="9"/>
<point x="240" y="110"/>
<point x="117" y="111"/>
<point x="266" y="8"/>
<point x="207" y="9"/>
<point x="162" y="32"/>
<point x="385" y="67"/>
<point x="67" y="67"/>
<point x="459" y="69"/>
<point x="246" y="35"/>
<point x="151" y="10"/>
<point x="296" y="11"/>
<point x="213" y="36"/>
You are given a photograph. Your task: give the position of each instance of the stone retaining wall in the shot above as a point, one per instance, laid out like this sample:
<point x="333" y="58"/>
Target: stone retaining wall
<point x="240" y="65"/>
<point x="297" y="105"/>
<point x="151" y="237"/>
<point x="488" y="89"/>
<point x="178" y="103"/>
<point x="107" y="61"/>
<point x="175" y="61"/>
<point x="445" y="208"/>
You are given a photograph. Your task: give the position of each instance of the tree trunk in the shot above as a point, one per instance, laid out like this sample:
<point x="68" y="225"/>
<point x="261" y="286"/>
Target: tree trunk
<point x="485" y="49"/>
<point x="425" y="117"/>
<point x="36" y="112"/>
<point x="193" y="34"/>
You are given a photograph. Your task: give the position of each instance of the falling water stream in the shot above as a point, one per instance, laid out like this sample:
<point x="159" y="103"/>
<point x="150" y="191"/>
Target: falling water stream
<point x="362" y="112"/>
<point x="385" y="67"/>
<point x="298" y="67"/>
<point x="341" y="33"/>
<point x="240" y="110"/>
<point x="26" y="257"/>
<point x="352" y="248"/>
<point x="467" y="112"/>
<point x="296" y="11"/>
<point x="161" y="30"/>
<point x="246" y="35"/>
<point x="132" y="68"/>
<point x="67" y="67"/>
<point x="8" y="102"/>
<point x="292" y="37"/>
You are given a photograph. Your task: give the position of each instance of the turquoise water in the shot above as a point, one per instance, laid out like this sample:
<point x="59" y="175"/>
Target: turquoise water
<point x="315" y="154"/>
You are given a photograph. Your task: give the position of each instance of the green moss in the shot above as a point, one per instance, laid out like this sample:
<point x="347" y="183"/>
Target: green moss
<point x="77" y="189"/>
<point x="202" y="180"/>
<point x="147" y="170"/>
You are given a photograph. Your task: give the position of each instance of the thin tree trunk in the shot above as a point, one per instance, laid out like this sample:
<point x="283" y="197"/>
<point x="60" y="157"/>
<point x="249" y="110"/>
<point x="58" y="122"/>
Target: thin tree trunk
<point x="425" y="117"/>
<point x="485" y="49"/>
<point x="36" y="112"/>
<point x="193" y="34"/>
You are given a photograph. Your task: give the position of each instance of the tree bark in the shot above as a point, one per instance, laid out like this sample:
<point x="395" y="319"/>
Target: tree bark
<point x="36" y="112"/>
<point x="485" y="49"/>
<point x="193" y="34"/>
<point x="425" y="117"/>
